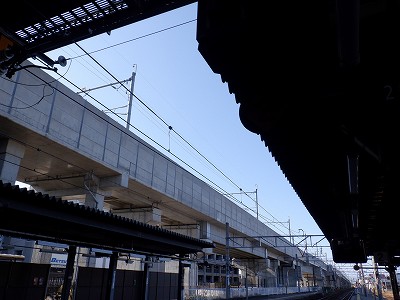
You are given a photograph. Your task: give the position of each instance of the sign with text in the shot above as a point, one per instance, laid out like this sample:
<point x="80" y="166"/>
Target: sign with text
<point x="58" y="259"/>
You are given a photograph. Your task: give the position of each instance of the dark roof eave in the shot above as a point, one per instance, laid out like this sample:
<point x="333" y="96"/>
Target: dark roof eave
<point x="28" y="214"/>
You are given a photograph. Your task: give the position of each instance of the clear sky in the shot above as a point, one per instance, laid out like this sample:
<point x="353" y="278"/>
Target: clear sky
<point x="174" y="86"/>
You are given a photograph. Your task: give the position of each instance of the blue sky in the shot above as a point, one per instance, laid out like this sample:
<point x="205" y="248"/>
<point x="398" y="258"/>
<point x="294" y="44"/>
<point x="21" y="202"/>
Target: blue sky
<point x="176" y="83"/>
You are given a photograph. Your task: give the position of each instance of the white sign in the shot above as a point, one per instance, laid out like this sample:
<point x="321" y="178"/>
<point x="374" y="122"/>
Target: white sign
<point x="58" y="259"/>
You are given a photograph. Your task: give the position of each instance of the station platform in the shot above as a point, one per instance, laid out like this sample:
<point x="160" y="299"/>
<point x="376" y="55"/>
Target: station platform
<point x="368" y="295"/>
<point x="358" y="295"/>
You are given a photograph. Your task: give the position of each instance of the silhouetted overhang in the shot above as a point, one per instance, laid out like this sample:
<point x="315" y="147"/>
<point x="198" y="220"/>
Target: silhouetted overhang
<point x="319" y="82"/>
<point x="31" y="28"/>
<point x="27" y="214"/>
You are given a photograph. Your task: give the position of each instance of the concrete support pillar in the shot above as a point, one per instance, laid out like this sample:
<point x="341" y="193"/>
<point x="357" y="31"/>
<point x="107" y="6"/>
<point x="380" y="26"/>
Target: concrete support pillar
<point x="393" y="281"/>
<point x="95" y="198"/>
<point x="205" y="230"/>
<point x="204" y="274"/>
<point x="94" y="194"/>
<point x="11" y="153"/>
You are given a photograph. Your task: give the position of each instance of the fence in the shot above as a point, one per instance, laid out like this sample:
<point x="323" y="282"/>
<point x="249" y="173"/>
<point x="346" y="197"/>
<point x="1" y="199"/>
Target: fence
<point x="219" y="293"/>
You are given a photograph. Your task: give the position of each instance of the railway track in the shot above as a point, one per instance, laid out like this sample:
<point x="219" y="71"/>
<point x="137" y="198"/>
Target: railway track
<point x="342" y="294"/>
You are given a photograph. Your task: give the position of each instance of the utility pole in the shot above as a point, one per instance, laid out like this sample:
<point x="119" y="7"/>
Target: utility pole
<point x="291" y="238"/>
<point x="256" y="203"/>
<point x="377" y="279"/>
<point x="132" y="80"/>
<point x="128" y="119"/>
<point x="393" y="281"/>
<point x="363" y="279"/>
<point x="227" y="266"/>
<point x="246" y="285"/>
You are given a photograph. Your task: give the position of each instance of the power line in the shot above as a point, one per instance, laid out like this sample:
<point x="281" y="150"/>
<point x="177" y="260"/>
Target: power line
<point x="165" y="123"/>
<point x="135" y="39"/>
<point x="47" y="84"/>
<point x="162" y="120"/>
<point x="170" y="128"/>
<point x="101" y="117"/>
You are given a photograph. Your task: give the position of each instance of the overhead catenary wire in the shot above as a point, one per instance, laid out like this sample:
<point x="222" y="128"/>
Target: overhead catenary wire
<point x="34" y="104"/>
<point x="135" y="39"/>
<point x="178" y="135"/>
<point x="215" y="185"/>
<point x="60" y="158"/>
<point x="60" y="179"/>
<point x="150" y="117"/>
<point x="169" y="126"/>
<point x="76" y="186"/>
<point x="218" y="188"/>
<point x="158" y="144"/>
<point x="162" y="120"/>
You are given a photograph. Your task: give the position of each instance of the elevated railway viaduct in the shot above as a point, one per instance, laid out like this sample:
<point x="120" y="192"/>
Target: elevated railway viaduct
<point x="340" y="60"/>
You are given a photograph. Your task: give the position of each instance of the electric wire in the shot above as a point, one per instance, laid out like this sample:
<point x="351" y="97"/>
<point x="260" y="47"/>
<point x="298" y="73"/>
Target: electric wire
<point x="41" y="84"/>
<point x="168" y="149"/>
<point x="151" y="110"/>
<point x="45" y="174"/>
<point x="34" y="104"/>
<point x="65" y="161"/>
<point x="151" y="116"/>
<point x="86" y="64"/>
<point x="144" y="134"/>
<point x="215" y="185"/>
<point x="166" y="124"/>
<point x="170" y="127"/>
<point x="195" y="170"/>
<point x="80" y="187"/>
<point x="135" y="39"/>
<point x="144" y="104"/>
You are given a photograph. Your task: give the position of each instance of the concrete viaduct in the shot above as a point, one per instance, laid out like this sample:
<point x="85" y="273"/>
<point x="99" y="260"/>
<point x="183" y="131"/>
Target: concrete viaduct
<point x="58" y="143"/>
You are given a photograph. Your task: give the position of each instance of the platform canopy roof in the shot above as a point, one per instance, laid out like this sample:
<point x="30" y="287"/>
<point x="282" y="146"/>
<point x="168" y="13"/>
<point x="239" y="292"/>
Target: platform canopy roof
<point x="27" y="214"/>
